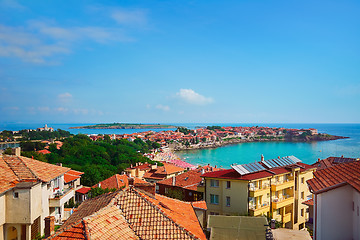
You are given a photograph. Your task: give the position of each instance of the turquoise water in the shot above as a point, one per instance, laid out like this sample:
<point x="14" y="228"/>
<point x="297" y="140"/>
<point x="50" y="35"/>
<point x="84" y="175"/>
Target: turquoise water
<point x="245" y="152"/>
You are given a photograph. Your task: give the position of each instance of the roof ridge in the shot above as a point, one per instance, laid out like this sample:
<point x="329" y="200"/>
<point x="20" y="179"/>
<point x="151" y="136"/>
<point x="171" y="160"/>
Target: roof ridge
<point x="29" y="168"/>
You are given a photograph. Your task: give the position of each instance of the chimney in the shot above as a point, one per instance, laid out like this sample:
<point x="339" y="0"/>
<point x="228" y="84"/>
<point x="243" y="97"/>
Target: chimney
<point x="49" y="226"/>
<point x="174" y="181"/>
<point x="99" y="185"/>
<point x="202" y="171"/>
<point x="59" y="164"/>
<point x="215" y="166"/>
<point x="18" y="151"/>
<point x="262" y="157"/>
<point x="131" y="181"/>
<point x="342" y="156"/>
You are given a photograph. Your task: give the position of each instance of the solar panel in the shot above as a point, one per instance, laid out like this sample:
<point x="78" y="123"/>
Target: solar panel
<point x="294" y="159"/>
<point x="266" y="164"/>
<point x="283" y="162"/>
<point x="287" y="160"/>
<point x="240" y="169"/>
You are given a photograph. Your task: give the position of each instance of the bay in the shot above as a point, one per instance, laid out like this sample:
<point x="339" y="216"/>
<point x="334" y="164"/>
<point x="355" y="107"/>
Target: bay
<point x="241" y="153"/>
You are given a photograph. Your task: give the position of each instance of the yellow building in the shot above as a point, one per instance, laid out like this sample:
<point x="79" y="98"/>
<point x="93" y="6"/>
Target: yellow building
<point x="274" y="188"/>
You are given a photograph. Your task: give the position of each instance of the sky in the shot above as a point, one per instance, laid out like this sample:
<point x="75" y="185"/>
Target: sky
<point x="179" y="61"/>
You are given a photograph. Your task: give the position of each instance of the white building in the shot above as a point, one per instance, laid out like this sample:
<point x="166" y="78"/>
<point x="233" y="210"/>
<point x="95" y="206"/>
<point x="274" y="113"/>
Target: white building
<point x="30" y="190"/>
<point x="337" y="201"/>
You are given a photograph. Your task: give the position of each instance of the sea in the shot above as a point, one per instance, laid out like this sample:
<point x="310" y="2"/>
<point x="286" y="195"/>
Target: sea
<point x="307" y="152"/>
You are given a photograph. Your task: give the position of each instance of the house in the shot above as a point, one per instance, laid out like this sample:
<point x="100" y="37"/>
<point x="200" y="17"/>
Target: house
<point x="186" y="184"/>
<point x="117" y="181"/>
<point x="139" y="169"/>
<point x="336" y="201"/>
<point x="275" y="187"/>
<point x="132" y="213"/>
<point x="30" y="190"/>
<point x="331" y="161"/>
<point x="168" y="170"/>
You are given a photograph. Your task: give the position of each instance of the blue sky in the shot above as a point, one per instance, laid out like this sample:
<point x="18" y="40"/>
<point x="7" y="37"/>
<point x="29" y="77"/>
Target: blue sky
<point x="180" y="61"/>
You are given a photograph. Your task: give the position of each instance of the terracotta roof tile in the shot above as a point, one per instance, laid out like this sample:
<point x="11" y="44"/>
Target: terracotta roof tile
<point x="83" y="190"/>
<point x="189" y="179"/>
<point x="117" y="181"/>
<point x="199" y="204"/>
<point x="14" y="169"/>
<point x="132" y="214"/>
<point x="335" y="176"/>
<point x="163" y="171"/>
<point x="72" y="175"/>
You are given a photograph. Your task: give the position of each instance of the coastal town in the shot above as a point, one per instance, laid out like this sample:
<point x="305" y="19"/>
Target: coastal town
<point x="161" y="196"/>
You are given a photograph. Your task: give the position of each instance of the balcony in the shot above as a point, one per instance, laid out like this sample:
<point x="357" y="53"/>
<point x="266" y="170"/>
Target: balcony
<point x="282" y="202"/>
<point x="287" y="217"/>
<point x="259" y="210"/>
<point x="255" y="192"/>
<point x="60" y="198"/>
<point x="277" y="186"/>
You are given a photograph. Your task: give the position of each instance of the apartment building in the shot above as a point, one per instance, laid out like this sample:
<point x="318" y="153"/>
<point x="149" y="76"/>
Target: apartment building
<point x="276" y="188"/>
<point x="31" y="190"/>
<point x="336" y="201"/>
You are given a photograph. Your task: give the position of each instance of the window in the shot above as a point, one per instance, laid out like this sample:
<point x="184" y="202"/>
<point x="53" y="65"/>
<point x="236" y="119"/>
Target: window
<point x="302" y="180"/>
<point x="228" y="184"/>
<point x="16" y="195"/>
<point x="214" y="183"/>
<point x="214" y="199"/>
<point x="302" y="195"/>
<point x="228" y="201"/>
<point x="214" y="213"/>
<point x="157" y="189"/>
<point x="302" y="212"/>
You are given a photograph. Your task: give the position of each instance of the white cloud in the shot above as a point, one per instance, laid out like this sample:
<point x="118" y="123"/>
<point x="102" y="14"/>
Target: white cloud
<point x="192" y="97"/>
<point x="12" y="4"/>
<point x="65" y="97"/>
<point x="43" y="109"/>
<point x="162" y="107"/>
<point x="38" y="41"/>
<point x="129" y="17"/>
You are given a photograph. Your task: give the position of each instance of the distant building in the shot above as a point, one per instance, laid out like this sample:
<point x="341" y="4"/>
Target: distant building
<point x="168" y="170"/>
<point x="336" y="201"/>
<point x="30" y="190"/>
<point x="139" y="169"/>
<point x="117" y="181"/>
<point x="188" y="184"/>
<point x="331" y="161"/>
<point x="275" y="188"/>
<point x="46" y="128"/>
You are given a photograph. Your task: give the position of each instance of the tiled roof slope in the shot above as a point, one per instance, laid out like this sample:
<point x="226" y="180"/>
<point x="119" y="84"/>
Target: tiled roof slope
<point x="199" y="204"/>
<point x="14" y="169"/>
<point x="189" y="179"/>
<point x="8" y="179"/>
<point x="89" y="207"/>
<point x="107" y="223"/>
<point x="163" y="171"/>
<point x="72" y="175"/>
<point x="112" y="215"/>
<point x="335" y="176"/>
<point x="117" y="181"/>
<point x="159" y="218"/>
<point x="330" y="161"/>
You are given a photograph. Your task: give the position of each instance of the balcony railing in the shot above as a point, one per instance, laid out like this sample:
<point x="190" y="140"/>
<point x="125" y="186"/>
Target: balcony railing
<point x="258" y="206"/>
<point x="263" y="187"/>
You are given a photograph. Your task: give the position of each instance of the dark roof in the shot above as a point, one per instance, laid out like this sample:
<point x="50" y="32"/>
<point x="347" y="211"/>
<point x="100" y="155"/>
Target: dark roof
<point x="336" y="176"/>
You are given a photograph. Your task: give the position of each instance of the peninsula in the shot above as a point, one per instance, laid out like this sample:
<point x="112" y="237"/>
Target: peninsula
<point x="125" y="126"/>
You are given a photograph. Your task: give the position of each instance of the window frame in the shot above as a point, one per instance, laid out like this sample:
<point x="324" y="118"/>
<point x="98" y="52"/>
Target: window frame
<point x="214" y="199"/>
<point x="213" y="181"/>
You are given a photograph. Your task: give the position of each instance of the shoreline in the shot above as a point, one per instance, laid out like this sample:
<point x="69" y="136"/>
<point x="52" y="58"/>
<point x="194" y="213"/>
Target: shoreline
<point x="218" y="144"/>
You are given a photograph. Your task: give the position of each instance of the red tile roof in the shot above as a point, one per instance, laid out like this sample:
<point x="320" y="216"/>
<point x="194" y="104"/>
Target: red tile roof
<point x="336" y="176"/>
<point x="72" y="175"/>
<point x="117" y="181"/>
<point x="189" y="179"/>
<point x="163" y="171"/>
<point x="14" y="169"/>
<point x="330" y="161"/>
<point x="309" y="202"/>
<point x="44" y="151"/>
<point x="199" y="204"/>
<point x="83" y="190"/>
<point x="130" y="214"/>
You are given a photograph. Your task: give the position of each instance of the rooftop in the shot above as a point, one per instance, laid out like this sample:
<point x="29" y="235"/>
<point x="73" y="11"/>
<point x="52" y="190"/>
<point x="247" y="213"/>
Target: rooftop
<point x="336" y="176"/>
<point x="117" y="181"/>
<point x="14" y="169"/>
<point x="132" y="214"/>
